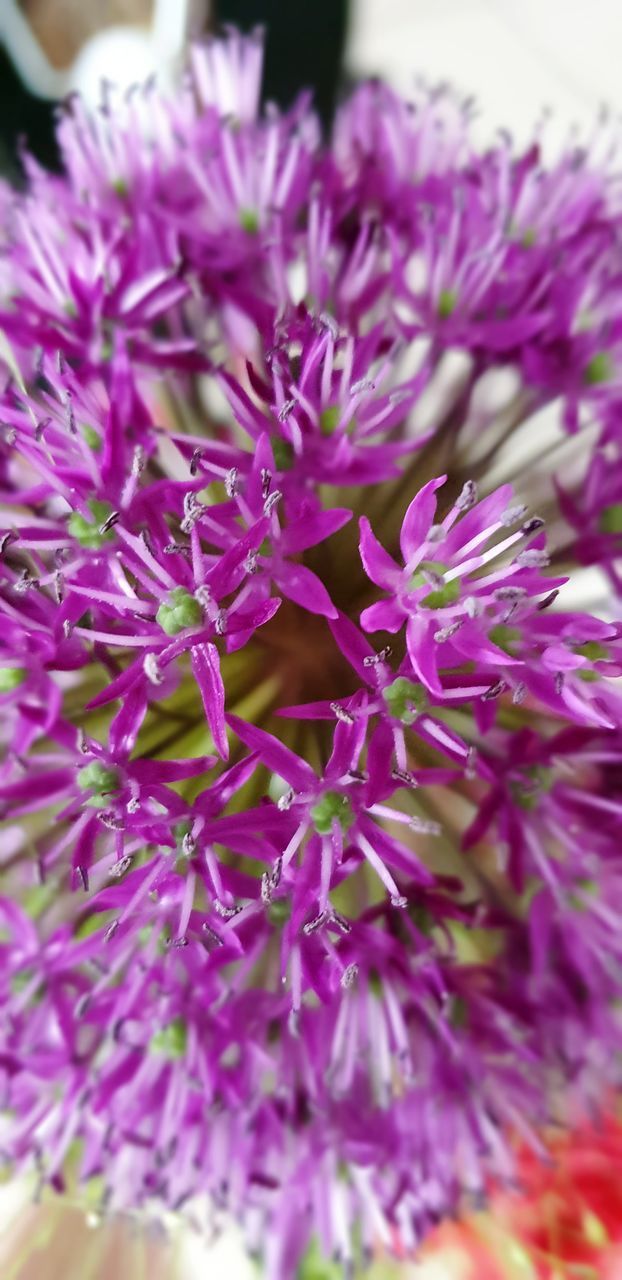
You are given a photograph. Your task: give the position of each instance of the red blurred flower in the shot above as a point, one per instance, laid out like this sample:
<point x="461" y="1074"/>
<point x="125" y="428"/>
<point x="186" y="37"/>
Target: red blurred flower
<point x="566" y="1224"/>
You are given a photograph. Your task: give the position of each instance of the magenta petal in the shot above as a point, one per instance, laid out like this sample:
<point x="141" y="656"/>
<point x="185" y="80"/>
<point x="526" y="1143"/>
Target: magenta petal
<point x="382" y="616"/>
<point x="352" y="643"/>
<point x="347" y="744"/>
<point x="125" y="727"/>
<point x="84" y="847"/>
<point x="314" y="528"/>
<point x="484" y="514"/>
<point x="119" y="687"/>
<point x="275" y="755"/>
<point x="304" y="587"/>
<point x="379" y="761"/>
<point x="480" y="824"/>
<point x="474" y="646"/>
<point x="418" y="518"/>
<point x="226" y="786"/>
<point x="308" y="711"/>
<point x="377" y="563"/>
<point x="540" y="927"/>
<point x="206" y="668"/>
<point x="230" y="571"/>
<point x="422" y="651"/>
<point x="256" y="617"/>
<point x="165" y="771"/>
<point x="36" y="788"/>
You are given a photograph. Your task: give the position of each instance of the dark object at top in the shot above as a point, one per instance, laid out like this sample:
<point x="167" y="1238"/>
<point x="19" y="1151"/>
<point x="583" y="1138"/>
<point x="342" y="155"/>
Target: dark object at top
<point x="305" y="42"/>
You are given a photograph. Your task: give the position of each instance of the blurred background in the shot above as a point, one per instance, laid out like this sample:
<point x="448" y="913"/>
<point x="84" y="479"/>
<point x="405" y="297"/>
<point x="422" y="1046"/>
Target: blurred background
<point x="518" y="58"/>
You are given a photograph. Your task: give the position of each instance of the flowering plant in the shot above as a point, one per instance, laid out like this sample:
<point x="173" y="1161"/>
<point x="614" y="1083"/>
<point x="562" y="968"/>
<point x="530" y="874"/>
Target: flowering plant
<point x="311" y="870"/>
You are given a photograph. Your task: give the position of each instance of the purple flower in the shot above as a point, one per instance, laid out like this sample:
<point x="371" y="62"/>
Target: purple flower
<point x="311" y="890"/>
<point x="464" y="599"/>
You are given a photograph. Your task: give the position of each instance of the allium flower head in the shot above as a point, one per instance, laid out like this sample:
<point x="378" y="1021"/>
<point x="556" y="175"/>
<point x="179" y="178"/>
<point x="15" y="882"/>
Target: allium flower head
<point x="310" y="775"/>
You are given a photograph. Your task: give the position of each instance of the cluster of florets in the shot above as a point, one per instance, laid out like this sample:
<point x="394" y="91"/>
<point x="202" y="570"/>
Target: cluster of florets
<point x="310" y="779"/>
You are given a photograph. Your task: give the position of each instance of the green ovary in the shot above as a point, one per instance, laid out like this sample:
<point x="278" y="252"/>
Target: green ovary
<point x="437" y="597"/>
<point x="591" y="650"/>
<point x="179" y="613"/>
<point x="504" y="637"/>
<point x="92" y="438"/>
<point x="331" y="805"/>
<point x="99" y="779"/>
<point x="11" y="678"/>
<point x="598" y="370"/>
<point x="447" y="303"/>
<point x="249" y="221"/>
<point x="171" y="1041"/>
<point x="329" y="419"/>
<point x="537" y="781"/>
<point x="87" y="532"/>
<point x="282" y="452"/>
<point x="610" y="520"/>
<point x="405" y="699"/>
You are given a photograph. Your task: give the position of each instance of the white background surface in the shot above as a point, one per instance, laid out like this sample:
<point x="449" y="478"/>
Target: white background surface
<point x="516" y="56"/>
